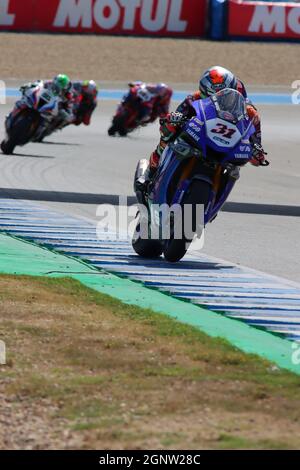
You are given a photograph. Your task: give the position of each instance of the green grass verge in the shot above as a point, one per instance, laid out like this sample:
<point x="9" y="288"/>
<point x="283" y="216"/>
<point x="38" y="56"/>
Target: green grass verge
<point x="92" y="372"/>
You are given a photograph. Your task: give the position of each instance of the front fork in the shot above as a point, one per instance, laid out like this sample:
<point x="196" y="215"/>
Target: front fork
<point x="18" y="108"/>
<point x="10" y="117"/>
<point x="214" y="207"/>
<point x="184" y="180"/>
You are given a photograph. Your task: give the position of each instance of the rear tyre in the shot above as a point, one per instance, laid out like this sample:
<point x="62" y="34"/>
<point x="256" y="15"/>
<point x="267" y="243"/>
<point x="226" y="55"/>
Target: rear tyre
<point x="40" y="139"/>
<point x="146" y="248"/>
<point x="199" y="193"/>
<point x="123" y="132"/>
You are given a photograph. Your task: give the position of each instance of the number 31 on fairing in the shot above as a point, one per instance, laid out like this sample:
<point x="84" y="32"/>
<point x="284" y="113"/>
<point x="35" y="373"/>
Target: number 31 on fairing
<point x="222" y="132"/>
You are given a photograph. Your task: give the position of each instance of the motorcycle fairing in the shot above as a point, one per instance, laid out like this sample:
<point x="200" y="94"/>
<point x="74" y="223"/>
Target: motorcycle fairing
<point x="228" y="138"/>
<point x="199" y="132"/>
<point x="42" y="100"/>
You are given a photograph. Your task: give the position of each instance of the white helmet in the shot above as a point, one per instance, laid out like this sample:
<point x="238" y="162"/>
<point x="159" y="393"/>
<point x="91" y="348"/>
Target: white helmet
<point x="90" y="86"/>
<point x="144" y="94"/>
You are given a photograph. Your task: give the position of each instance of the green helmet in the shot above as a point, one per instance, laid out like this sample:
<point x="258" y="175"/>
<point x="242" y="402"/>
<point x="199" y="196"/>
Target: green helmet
<point x="61" y="84"/>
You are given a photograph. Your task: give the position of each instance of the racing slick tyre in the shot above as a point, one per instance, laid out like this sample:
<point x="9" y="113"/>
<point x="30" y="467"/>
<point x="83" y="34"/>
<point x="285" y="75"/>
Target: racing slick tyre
<point x="112" y="131"/>
<point x="7" y="147"/>
<point x="146" y="248"/>
<point x="198" y="194"/>
<point x="20" y="133"/>
<point x="117" y="127"/>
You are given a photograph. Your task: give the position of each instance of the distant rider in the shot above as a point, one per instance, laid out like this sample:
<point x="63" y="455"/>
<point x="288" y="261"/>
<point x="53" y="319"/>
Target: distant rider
<point x="61" y="87"/>
<point x="152" y="100"/>
<point x="85" y="101"/>
<point x="213" y="80"/>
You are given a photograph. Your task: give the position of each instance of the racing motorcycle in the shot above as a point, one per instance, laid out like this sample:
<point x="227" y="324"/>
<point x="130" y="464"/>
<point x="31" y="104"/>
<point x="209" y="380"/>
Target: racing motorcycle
<point x="80" y="108"/>
<point x="35" y="112"/>
<point x="196" y="174"/>
<point x="126" y="119"/>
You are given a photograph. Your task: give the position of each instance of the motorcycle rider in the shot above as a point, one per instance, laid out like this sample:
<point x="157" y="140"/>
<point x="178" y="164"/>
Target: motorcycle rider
<point x="153" y="100"/>
<point x="85" y="101"/>
<point x="213" y="80"/>
<point x="60" y="86"/>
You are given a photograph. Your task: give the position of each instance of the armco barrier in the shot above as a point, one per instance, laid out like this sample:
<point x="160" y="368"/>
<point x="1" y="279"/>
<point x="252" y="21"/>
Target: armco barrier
<point x="263" y="20"/>
<point x="177" y="18"/>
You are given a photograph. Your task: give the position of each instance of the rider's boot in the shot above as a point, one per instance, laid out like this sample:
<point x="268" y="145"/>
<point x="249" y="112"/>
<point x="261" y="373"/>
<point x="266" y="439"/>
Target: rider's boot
<point x="40" y="133"/>
<point x="146" y="176"/>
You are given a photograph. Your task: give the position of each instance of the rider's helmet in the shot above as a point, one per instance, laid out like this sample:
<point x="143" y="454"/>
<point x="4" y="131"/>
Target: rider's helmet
<point x="144" y="93"/>
<point x="90" y="87"/>
<point x="164" y="91"/>
<point x="134" y="84"/>
<point x="215" y="79"/>
<point x="61" y="84"/>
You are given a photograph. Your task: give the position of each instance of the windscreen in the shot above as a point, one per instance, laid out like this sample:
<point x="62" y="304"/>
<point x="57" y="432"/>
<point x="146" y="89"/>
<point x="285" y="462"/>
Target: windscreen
<point x="230" y="105"/>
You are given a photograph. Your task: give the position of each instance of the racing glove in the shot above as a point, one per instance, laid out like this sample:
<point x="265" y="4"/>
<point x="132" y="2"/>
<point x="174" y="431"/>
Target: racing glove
<point x="258" y="156"/>
<point x="174" y="118"/>
<point x="170" y="124"/>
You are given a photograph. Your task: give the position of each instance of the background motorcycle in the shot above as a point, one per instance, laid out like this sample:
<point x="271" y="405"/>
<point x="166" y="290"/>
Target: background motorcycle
<point x="126" y="119"/>
<point x="37" y="107"/>
<point x="59" y="122"/>
<point x="65" y="119"/>
<point x="200" y="168"/>
<point x="83" y="106"/>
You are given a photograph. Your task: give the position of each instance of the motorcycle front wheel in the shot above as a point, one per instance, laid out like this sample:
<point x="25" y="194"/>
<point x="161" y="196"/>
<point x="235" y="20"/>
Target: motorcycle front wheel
<point x="118" y="126"/>
<point x="20" y="132"/>
<point x="123" y="123"/>
<point x="198" y="194"/>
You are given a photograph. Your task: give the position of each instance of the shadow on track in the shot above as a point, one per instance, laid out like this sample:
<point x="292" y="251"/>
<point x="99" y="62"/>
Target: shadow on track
<point x="29" y="155"/>
<point x="113" y="199"/>
<point x="47" y="142"/>
<point x="183" y="265"/>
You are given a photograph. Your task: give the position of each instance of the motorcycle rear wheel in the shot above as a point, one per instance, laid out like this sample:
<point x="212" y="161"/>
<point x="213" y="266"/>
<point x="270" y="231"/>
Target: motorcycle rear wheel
<point x="146" y="248"/>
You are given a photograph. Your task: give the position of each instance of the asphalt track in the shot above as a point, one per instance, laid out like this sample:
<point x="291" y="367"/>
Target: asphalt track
<point x="83" y="167"/>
